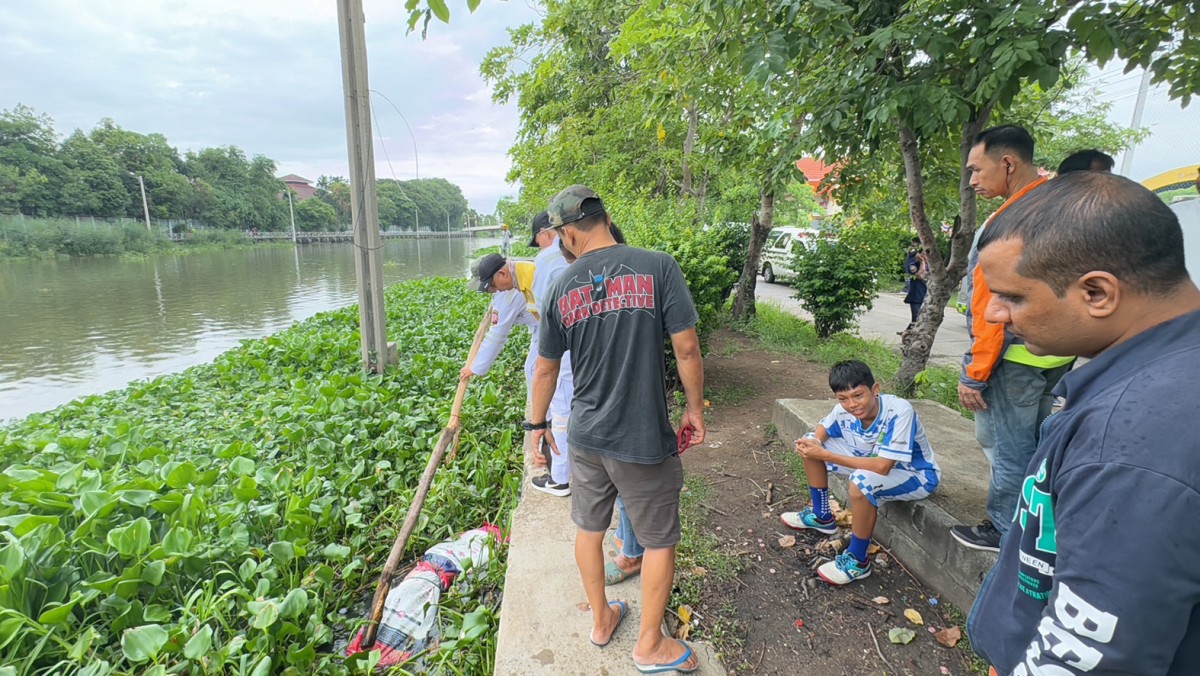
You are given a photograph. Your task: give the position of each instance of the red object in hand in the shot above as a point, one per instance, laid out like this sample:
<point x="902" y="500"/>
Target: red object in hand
<point x="685" y="438"/>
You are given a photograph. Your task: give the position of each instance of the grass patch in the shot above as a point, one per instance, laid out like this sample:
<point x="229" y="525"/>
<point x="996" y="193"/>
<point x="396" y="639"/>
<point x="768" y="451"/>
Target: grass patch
<point x="701" y="561"/>
<point x="975" y="663"/>
<point x="780" y="330"/>
<point x="731" y="394"/>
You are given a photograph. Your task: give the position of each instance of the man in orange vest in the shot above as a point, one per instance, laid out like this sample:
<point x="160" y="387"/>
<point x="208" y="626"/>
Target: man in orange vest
<point x="1008" y="388"/>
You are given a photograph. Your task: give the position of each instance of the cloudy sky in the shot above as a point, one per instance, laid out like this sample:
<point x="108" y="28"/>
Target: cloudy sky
<point x="265" y="75"/>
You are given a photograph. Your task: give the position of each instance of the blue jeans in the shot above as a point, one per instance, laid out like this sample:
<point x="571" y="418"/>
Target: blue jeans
<point x="630" y="546"/>
<point x="1018" y="398"/>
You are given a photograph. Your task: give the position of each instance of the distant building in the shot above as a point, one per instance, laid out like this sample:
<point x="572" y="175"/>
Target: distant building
<point x="815" y="171"/>
<point x="300" y="185"/>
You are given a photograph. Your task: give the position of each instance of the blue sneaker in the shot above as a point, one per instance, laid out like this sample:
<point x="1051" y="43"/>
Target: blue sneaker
<point x="807" y="520"/>
<point x="844" y="569"/>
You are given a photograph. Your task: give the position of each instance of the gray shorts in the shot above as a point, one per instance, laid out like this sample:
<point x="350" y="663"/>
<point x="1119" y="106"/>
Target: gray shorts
<point x="650" y="492"/>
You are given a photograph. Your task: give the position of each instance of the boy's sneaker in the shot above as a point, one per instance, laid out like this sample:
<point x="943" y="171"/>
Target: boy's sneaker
<point x="983" y="537"/>
<point x="807" y="520"/>
<point x="546" y="485"/>
<point x="844" y="569"/>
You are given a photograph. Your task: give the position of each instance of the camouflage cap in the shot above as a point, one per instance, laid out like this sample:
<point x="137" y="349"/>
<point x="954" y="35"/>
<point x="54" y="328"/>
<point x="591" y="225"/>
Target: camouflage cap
<point x="567" y="206"/>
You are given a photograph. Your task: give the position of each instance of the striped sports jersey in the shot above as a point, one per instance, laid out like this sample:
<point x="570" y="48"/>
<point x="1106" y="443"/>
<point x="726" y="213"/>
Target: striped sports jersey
<point x="896" y="434"/>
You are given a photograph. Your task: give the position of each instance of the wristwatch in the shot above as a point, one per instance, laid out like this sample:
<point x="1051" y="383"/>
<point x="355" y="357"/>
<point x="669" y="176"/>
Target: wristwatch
<point x="529" y="426"/>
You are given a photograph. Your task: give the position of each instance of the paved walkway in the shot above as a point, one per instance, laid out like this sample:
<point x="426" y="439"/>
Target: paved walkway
<point x="888" y="315"/>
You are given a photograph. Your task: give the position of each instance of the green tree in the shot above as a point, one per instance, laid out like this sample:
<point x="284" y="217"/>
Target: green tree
<point x="29" y="149"/>
<point x="314" y="215"/>
<point x="94" y="184"/>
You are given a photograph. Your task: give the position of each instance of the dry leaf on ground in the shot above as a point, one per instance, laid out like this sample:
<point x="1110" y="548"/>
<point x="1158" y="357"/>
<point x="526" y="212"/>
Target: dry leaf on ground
<point x="873" y="549"/>
<point x="699" y="571"/>
<point x="949" y="637"/>
<point x="913" y="616"/>
<point x="880" y="600"/>
<point x="685" y="614"/>
<point x="901" y="636"/>
<point x="787" y="541"/>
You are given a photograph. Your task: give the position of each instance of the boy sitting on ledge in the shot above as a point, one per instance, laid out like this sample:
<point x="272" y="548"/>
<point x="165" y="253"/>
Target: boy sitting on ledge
<point x="878" y="441"/>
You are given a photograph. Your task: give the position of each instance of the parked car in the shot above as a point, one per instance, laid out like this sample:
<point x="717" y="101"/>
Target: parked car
<point x="781" y="246"/>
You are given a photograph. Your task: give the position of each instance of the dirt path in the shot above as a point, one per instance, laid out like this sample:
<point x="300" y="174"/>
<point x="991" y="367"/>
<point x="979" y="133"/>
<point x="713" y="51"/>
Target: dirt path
<point x="777" y="587"/>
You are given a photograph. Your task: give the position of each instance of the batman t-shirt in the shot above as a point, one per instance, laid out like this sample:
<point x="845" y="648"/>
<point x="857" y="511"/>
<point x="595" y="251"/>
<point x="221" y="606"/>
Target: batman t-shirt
<point x="611" y="309"/>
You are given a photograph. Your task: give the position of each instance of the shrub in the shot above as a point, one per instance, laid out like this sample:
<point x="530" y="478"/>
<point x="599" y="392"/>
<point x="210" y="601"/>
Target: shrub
<point x="832" y="283"/>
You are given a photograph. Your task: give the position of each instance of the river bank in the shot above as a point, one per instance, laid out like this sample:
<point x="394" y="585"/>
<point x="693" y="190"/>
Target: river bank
<point x="251" y="501"/>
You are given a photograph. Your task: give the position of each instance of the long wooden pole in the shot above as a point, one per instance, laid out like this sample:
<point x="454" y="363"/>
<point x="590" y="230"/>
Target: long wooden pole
<point x="449" y="437"/>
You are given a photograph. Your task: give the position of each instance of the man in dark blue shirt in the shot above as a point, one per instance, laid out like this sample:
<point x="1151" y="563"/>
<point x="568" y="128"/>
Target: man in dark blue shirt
<point x="1100" y="570"/>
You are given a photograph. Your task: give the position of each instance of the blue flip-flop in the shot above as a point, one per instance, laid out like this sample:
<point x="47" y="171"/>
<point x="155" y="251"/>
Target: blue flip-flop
<point x="673" y="666"/>
<point x="624" y="610"/>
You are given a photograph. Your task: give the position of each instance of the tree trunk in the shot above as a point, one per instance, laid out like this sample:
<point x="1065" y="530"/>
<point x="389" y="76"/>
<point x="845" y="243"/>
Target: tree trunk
<point x="743" y="300"/>
<point x="689" y="143"/>
<point x="945" y="275"/>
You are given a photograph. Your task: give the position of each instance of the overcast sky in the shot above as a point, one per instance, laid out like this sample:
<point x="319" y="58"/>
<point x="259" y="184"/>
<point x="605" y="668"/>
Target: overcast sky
<point x="265" y="75"/>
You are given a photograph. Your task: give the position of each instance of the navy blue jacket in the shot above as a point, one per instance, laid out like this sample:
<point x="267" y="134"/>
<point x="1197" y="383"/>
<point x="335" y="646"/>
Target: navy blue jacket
<point x="1100" y="572"/>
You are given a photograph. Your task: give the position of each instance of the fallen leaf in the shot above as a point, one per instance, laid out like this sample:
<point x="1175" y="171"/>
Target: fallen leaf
<point x="846" y="518"/>
<point x="949" y="637"/>
<point x="873" y="549"/>
<point x="699" y="571"/>
<point x="707" y="404"/>
<point x="787" y="541"/>
<point x="683" y="632"/>
<point x="584" y="606"/>
<point x="913" y="616"/>
<point x="880" y="600"/>
<point x="685" y="614"/>
<point x="901" y="635"/>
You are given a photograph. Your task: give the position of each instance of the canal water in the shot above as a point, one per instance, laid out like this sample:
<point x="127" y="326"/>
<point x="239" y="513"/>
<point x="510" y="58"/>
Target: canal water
<point x="74" y="327"/>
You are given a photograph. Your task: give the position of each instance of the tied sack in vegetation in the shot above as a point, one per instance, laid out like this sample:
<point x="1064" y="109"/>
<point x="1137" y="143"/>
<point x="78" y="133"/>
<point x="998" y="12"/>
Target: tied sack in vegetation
<point x="410" y="613"/>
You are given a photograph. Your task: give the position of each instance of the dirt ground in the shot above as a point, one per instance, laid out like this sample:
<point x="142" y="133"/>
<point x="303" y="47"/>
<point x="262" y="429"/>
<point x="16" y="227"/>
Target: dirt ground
<point x="777" y="589"/>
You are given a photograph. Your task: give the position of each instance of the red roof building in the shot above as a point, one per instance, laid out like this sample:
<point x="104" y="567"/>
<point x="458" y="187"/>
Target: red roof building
<point x="300" y="185"/>
<point x="815" y="171"/>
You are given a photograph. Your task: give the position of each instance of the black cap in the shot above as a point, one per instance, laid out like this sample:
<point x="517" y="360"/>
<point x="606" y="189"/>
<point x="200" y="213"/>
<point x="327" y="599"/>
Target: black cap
<point x="484" y="269"/>
<point x="540" y="223"/>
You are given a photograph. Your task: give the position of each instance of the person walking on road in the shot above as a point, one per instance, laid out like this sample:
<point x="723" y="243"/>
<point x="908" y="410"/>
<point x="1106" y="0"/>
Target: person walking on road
<point x="611" y="309"/>
<point x="1007" y="387"/>
<point x="1098" y="574"/>
<point x="916" y="267"/>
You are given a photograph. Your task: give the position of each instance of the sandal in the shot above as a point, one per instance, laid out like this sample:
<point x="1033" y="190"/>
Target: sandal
<point x="673" y="666"/>
<point x="614" y="575"/>
<point x="624" y="609"/>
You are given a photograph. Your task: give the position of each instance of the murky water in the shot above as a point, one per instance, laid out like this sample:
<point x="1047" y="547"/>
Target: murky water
<point x="75" y="327"/>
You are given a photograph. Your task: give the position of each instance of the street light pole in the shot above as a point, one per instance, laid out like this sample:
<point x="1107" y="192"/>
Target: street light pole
<point x="292" y="212"/>
<point x="145" y="204"/>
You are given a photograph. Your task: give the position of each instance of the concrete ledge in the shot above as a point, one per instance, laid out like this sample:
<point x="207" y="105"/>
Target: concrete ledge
<point x="919" y="532"/>
<point x="542" y="629"/>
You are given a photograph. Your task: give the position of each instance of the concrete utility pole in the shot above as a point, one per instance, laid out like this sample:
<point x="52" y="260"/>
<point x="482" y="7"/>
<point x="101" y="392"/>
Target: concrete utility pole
<point x="368" y="263"/>
<point x="145" y="204"/>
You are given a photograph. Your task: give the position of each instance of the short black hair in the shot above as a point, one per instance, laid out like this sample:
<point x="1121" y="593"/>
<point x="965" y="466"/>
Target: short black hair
<point x="849" y="374"/>
<point x="1008" y="137"/>
<point x="1091" y="220"/>
<point x="1082" y="160"/>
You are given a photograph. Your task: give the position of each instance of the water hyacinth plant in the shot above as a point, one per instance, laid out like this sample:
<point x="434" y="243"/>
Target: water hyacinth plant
<point x="231" y="518"/>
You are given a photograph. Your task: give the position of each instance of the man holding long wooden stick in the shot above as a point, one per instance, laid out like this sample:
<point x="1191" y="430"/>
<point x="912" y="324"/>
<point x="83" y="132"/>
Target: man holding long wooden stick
<point x="611" y="309"/>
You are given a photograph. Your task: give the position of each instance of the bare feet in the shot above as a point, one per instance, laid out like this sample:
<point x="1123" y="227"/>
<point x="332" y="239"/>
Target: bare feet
<point x="604" y="624"/>
<point x="666" y="652"/>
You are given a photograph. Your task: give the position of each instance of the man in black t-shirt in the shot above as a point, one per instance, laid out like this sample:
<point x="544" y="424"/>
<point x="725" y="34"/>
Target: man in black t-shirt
<point x="611" y="309"/>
